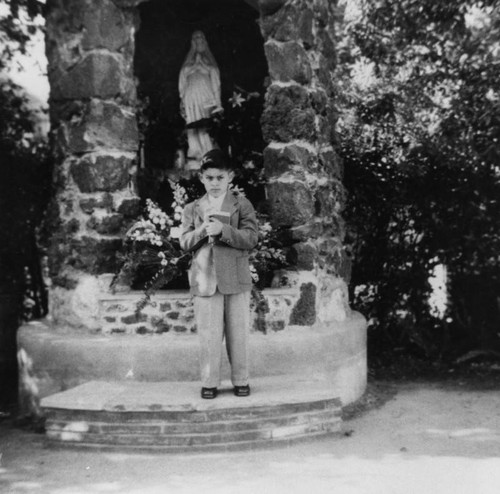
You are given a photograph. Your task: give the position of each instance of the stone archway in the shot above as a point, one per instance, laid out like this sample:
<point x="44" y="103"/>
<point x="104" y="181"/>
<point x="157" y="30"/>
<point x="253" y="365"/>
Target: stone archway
<point x="93" y="98"/>
<point x="90" y="48"/>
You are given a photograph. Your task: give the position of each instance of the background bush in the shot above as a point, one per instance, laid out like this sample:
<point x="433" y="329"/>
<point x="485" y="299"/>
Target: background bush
<point x="419" y="134"/>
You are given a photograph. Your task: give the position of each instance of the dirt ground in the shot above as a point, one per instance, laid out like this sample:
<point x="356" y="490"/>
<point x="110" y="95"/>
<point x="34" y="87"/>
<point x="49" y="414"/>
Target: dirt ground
<point x="407" y="437"/>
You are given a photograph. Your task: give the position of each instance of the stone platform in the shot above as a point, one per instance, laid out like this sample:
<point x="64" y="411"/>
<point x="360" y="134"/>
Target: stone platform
<point x="171" y="416"/>
<point x="53" y="359"/>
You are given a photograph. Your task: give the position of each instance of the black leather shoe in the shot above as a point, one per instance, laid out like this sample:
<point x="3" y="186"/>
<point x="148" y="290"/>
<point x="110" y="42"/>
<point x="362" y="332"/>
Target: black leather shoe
<point x="242" y="390"/>
<point x="209" y="393"/>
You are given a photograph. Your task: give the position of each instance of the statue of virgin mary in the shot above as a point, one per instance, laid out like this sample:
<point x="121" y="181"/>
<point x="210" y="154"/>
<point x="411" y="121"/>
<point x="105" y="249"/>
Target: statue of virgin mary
<point x="200" y="94"/>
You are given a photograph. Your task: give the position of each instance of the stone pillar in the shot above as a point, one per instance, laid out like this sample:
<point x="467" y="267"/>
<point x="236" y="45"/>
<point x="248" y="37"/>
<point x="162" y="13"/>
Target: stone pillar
<point x="90" y="48"/>
<point x="304" y="172"/>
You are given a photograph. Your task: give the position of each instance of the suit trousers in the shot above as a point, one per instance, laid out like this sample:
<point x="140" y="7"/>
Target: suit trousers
<point x="222" y="316"/>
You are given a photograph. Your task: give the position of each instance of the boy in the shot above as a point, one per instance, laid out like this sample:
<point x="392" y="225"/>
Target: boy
<point x="220" y="228"/>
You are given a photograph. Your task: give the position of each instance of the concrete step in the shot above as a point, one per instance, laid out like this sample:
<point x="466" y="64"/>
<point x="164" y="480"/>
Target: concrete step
<point x="171" y="416"/>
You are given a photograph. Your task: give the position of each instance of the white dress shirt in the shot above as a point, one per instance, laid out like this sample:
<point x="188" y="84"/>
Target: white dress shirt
<point x="216" y="202"/>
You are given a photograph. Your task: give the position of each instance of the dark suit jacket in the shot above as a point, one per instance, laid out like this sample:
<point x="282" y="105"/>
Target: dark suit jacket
<point x="222" y="264"/>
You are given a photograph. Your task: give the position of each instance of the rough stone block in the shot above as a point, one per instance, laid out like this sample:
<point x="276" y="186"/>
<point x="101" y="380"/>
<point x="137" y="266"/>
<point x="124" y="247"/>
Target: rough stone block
<point x="106" y="26"/>
<point x="64" y="27"/>
<point x="98" y="75"/>
<point x="305" y="27"/>
<point x="331" y="163"/>
<point x="327" y="47"/>
<point x="102" y="125"/>
<point x="106" y="225"/>
<point x="159" y="325"/>
<point x="304" y="312"/>
<point x="319" y="101"/>
<point x="291" y="203"/>
<point x="306" y="232"/>
<point x="326" y="200"/>
<point x="101" y="173"/>
<point x="288" y="62"/>
<point x="130" y="208"/>
<point x="292" y="22"/>
<point x="321" y="10"/>
<point x="288" y="115"/>
<point x="103" y="201"/>
<point x="94" y="256"/>
<point x="277" y="325"/>
<point x="292" y="158"/>
<point x="334" y="226"/>
<point x="134" y="318"/>
<point x="118" y="331"/>
<point x="116" y="308"/>
<point x="333" y="300"/>
<point x="328" y="245"/>
<point x="333" y="256"/>
<point x="344" y="265"/>
<point x="303" y="255"/>
<point x="324" y="75"/>
<point x="60" y="245"/>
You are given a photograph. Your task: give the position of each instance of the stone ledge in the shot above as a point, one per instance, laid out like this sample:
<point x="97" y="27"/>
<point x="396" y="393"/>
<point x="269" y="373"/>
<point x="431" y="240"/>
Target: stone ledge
<point x="158" y="399"/>
<point x="54" y="359"/>
<point x="169" y="416"/>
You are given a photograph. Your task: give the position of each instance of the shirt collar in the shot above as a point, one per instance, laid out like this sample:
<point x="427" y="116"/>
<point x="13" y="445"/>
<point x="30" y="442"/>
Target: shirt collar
<point x="216" y="202"/>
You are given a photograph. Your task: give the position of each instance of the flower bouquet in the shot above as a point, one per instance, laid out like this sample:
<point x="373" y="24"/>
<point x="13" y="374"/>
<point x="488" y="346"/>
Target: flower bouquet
<point x="151" y="248"/>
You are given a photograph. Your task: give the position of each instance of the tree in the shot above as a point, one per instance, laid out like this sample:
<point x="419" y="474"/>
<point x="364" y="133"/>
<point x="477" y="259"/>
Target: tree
<point x="419" y="128"/>
<point x="24" y="185"/>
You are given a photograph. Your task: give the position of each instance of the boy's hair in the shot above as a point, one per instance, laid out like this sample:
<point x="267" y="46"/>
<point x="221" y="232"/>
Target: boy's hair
<point x="215" y="158"/>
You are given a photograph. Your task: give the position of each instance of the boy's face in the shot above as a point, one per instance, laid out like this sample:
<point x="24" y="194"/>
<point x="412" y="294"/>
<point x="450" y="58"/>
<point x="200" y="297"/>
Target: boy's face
<point x="216" y="181"/>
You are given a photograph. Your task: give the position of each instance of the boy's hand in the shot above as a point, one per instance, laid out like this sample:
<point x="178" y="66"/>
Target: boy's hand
<point x="208" y="212"/>
<point x="213" y="227"/>
<point x="206" y="219"/>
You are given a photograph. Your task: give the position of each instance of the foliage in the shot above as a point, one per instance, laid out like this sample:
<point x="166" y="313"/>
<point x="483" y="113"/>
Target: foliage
<point x="24" y="191"/>
<point x="17" y="27"/>
<point x="420" y="121"/>
<point x="25" y="165"/>
<point x="152" y="250"/>
<point x="24" y="184"/>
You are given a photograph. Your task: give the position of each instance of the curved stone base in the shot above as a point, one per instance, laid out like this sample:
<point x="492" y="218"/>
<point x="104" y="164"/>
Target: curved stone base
<point x="171" y="416"/>
<point x="54" y="359"/>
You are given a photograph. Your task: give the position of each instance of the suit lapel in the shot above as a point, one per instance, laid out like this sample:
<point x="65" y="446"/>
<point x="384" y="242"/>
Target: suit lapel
<point x="230" y="203"/>
<point x="201" y="206"/>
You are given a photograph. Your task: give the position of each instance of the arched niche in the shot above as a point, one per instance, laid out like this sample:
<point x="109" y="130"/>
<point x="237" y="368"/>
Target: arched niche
<point x="162" y="42"/>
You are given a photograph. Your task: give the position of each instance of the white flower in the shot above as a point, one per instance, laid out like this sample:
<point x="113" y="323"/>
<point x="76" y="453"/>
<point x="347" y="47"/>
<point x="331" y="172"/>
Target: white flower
<point x="175" y="232"/>
<point x="477" y="18"/>
<point x="237" y="99"/>
<point x="491" y="95"/>
<point x="253" y="272"/>
<point x="249" y="165"/>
